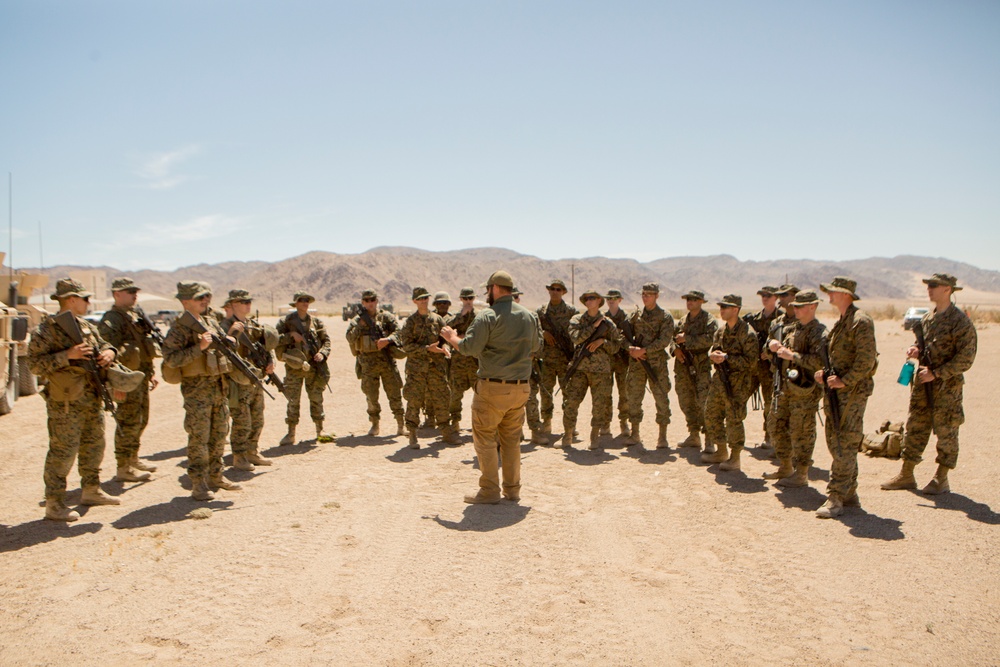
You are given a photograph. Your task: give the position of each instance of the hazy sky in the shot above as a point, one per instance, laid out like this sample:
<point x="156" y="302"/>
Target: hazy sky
<point x="161" y="134"/>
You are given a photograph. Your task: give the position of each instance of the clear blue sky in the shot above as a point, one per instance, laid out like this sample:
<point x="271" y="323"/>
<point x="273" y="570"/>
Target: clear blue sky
<point x="161" y="134"/>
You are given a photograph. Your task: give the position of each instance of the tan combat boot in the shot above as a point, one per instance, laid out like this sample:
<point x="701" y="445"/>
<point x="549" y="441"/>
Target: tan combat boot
<point x="797" y="479"/>
<point x="832" y="508"/>
<point x="904" y="480"/>
<point x="92" y="495"/>
<point x="413" y="439"/>
<point x="661" y="440"/>
<point x="938" y="484"/>
<point x="200" y="490"/>
<point x="733" y="462"/>
<point x="373" y="431"/>
<point x="595" y="438"/>
<point x="126" y="473"/>
<point x="217" y="482"/>
<point x="139" y="464"/>
<point x="693" y="440"/>
<point x="450" y="436"/>
<point x="783" y="471"/>
<point x="400" y="426"/>
<point x="56" y="510"/>
<point x="321" y="435"/>
<point x="428" y="422"/>
<point x="567" y="438"/>
<point x="289" y="438"/>
<point x="635" y="435"/>
<point x="718" y="456"/>
<point x="852" y="499"/>
<point x="547" y="427"/>
<point x="606" y="429"/>
<point x="626" y="432"/>
<point x="254" y="457"/>
<point x="240" y="462"/>
<point x="538" y="438"/>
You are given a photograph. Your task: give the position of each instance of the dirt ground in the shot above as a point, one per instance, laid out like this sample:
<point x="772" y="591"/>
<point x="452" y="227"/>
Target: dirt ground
<point x="363" y="553"/>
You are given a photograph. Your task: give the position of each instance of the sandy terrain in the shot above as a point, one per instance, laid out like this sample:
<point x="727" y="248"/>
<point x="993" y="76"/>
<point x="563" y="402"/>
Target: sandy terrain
<point x="362" y="552"/>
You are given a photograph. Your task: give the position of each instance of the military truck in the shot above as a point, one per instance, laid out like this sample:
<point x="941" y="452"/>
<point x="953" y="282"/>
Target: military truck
<point x="17" y="319"/>
<point x="350" y="310"/>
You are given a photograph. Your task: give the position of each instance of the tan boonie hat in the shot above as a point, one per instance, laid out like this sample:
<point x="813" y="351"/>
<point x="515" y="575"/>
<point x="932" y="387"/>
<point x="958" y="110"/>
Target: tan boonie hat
<point x="591" y="292"/>
<point x="441" y="297"/>
<point x="806" y="298"/>
<point x="613" y="294"/>
<point x="237" y="295"/>
<point x="192" y="290"/>
<point x="124" y="285"/>
<point x="302" y="295"/>
<point x="767" y="290"/>
<point x="467" y="293"/>
<point x="694" y="294"/>
<point x="842" y="284"/>
<point x="501" y="278"/>
<point x="369" y="294"/>
<point x="557" y="284"/>
<point x="733" y="300"/>
<point x="271" y="337"/>
<point x="943" y="279"/>
<point x="652" y="288"/>
<point x="787" y="288"/>
<point x="420" y="293"/>
<point x="122" y="379"/>
<point x="68" y="287"/>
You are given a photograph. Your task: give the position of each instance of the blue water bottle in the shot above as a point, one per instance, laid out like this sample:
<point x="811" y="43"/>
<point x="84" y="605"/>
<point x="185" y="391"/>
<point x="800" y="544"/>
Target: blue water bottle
<point x="907" y="372"/>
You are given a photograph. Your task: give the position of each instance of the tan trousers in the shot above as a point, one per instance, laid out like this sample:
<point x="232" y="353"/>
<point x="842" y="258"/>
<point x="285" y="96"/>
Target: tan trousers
<point x="497" y="418"/>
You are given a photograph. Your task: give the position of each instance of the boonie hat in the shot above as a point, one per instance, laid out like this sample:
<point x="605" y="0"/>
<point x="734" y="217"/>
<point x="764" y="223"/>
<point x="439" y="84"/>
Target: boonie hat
<point x="733" y="300"/>
<point x="613" y="294"/>
<point x="68" y="287"/>
<point x="653" y="288"/>
<point x="237" y="295"/>
<point x="441" y="297"/>
<point x="806" y="298"/>
<point x="420" y="293"/>
<point x="467" y="293"/>
<point x="124" y="285"/>
<point x="557" y="284"/>
<point x="694" y="294"/>
<point x="591" y="292"/>
<point x="841" y="284"/>
<point x="122" y="379"/>
<point x="302" y="295"/>
<point x="943" y="279"/>
<point x="369" y="294"/>
<point x="787" y="288"/>
<point x="193" y="289"/>
<point x="768" y="290"/>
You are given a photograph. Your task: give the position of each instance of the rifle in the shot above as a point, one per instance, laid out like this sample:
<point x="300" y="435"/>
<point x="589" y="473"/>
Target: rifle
<point x="312" y="345"/>
<point x="724" y="371"/>
<point x="222" y="344"/>
<point x="925" y="360"/>
<point x="261" y="358"/>
<point x="832" y="398"/>
<point x="562" y="338"/>
<point x="375" y="333"/>
<point x="147" y="327"/>
<point x="687" y="358"/>
<point x="66" y="321"/>
<point x="631" y="339"/>
<point x="582" y="352"/>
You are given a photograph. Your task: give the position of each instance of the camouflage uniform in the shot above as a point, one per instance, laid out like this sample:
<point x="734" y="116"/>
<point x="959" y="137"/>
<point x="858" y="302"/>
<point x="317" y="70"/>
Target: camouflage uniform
<point x="121" y="328"/>
<point x="653" y="330"/>
<point x="692" y="392"/>
<point x="761" y="370"/>
<point x="75" y="421"/>
<point x="724" y="415"/>
<point x="952" y="343"/>
<point x="463" y="367"/>
<point x="619" y="366"/>
<point x="795" y="407"/>
<point x="593" y="372"/>
<point x="246" y="404"/>
<point x="315" y="378"/>
<point x="426" y="372"/>
<point x="780" y="325"/>
<point x="555" y="320"/>
<point x="531" y="412"/>
<point x="376" y="365"/>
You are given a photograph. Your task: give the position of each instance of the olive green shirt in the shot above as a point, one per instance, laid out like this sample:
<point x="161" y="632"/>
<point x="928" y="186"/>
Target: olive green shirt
<point x="503" y="337"/>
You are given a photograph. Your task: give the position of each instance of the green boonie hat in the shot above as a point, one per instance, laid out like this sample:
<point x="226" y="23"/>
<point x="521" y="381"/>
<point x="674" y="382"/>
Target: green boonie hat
<point x="441" y="297"/>
<point x="653" y="288"/>
<point x="613" y="294"/>
<point x="302" y="295"/>
<point x="369" y="294"/>
<point x="514" y="291"/>
<point x="768" y="290"/>
<point x="787" y="288"/>
<point x="420" y="293"/>
<point x="122" y="379"/>
<point x="557" y="283"/>
<point x="237" y="295"/>
<point x="193" y="289"/>
<point x="694" y="294"/>
<point x="733" y="300"/>
<point x="501" y="278"/>
<point x="124" y="285"/>
<point x="943" y="279"/>
<point x="842" y="284"/>
<point x="591" y="292"/>
<point x="467" y="292"/>
<point x="68" y="287"/>
<point x="806" y="298"/>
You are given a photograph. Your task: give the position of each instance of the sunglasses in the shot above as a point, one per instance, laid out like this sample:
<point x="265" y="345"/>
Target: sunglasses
<point x="467" y="298"/>
<point x="369" y="300"/>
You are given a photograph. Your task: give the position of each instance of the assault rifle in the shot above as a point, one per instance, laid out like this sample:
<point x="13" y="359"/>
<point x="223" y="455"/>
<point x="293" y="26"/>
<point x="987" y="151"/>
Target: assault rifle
<point x="261" y="358"/>
<point x="925" y="361"/>
<point x="629" y="334"/>
<point x="312" y="345"/>
<point x="724" y="372"/>
<point x="228" y="350"/>
<point x="832" y="398"/>
<point x="66" y="321"/>
<point x="687" y="358"/>
<point x="583" y="351"/>
<point x="147" y="327"/>
<point x="376" y="334"/>
<point x="562" y="338"/>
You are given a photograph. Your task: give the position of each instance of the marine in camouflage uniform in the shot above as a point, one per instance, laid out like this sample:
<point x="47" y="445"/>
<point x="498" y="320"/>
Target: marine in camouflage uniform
<point x="593" y="371"/>
<point x="797" y="402"/>
<point x="762" y="373"/>
<point x="306" y="364"/>
<point x="124" y="327"/>
<point x="695" y="333"/>
<point x="557" y="351"/>
<point x="531" y="412"/>
<point x="852" y="363"/>
<point x="463" y="367"/>
<point x="652" y="329"/>
<point x="376" y="363"/>
<point x="205" y="388"/>
<point x="785" y="294"/>
<point x="426" y="368"/>
<point x="75" y="412"/>
<point x="246" y="399"/>
<point x="619" y="363"/>
<point x="950" y="344"/>
<point x="734" y="353"/>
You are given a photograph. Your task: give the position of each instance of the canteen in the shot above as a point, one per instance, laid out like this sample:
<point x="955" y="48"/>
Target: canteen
<point x="907" y="372"/>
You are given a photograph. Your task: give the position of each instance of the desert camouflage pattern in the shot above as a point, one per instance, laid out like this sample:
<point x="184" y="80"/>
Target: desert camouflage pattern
<point x="653" y="330"/>
<point x="762" y="369"/>
<point x="554" y="362"/>
<point x="692" y="393"/>
<point x="594" y="372"/>
<point x="426" y="372"/>
<point x="794" y="423"/>
<point x="463" y="367"/>
<point x="376" y="367"/>
<point x="247" y="410"/>
<point x="315" y="379"/>
<point x="619" y="365"/>
<point x="724" y="416"/>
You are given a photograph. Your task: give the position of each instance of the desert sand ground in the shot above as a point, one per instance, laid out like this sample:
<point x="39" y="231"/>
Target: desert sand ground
<point x="363" y="553"/>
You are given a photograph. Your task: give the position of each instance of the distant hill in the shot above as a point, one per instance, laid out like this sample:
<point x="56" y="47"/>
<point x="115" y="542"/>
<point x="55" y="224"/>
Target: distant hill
<point x="335" y="279"/>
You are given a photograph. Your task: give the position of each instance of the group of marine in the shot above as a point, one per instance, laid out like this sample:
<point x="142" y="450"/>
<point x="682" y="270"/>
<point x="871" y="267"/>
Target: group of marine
<point x="224" y="362"/>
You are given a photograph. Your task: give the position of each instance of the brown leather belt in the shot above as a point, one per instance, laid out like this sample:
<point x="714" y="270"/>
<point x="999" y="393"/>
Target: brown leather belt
<point x="505" y="381"/>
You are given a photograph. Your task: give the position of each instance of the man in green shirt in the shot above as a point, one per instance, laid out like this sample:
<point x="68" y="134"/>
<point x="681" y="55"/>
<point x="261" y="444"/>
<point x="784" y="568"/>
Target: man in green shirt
<point x="503" y="337"/>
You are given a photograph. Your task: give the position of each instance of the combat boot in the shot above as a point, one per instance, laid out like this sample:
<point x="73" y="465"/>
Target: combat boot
<point x="623" y="426"/>
<point x="904" y="480"/>
<point x="635" y="436"/>
<point x="852" y="499"/>
<point x="321" y="435"/>
<point x="139" y="464"/>
<point x="92" y="495"/>
<point x="832" y="508"/>
<point x="373" y="431"/>
<point x="733" y="462"/>
<point x="413" y="439"/>
<point x="56" y="510"/>
<point x="451" y="436"/>
<point x="126" y="473"/>
<point x="661" y="441"/>
<point x="567" y="438"/>
<point x="289" y="438"/>
<point x="718" y="456"/>
<point x="693" y="440"/>
<point x="595" y="438"/>
<point x="538" y="438"/>
<point x="254" y="457"/>
<point x="606" y="429"/>
<point x="547" y="427"/>
<point x="240" y="462"/>
<point x="797" y="479"/>
<point x="216" y="482"/>
<point x="938" y="484"/>
<point x="428" y="422"/>
<point x="783" y="471"/>
<point x="200" y="490"/>
<point x="400" y="426"/>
